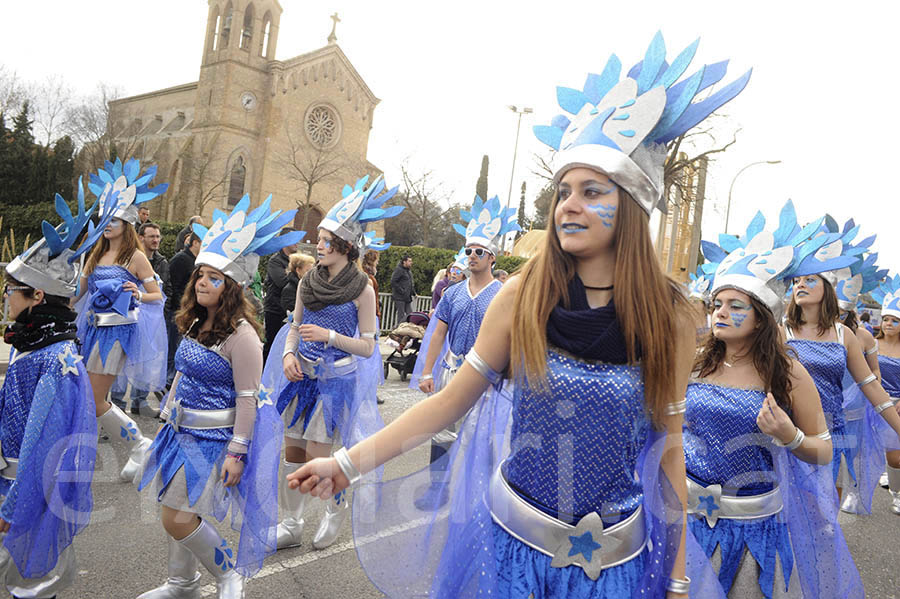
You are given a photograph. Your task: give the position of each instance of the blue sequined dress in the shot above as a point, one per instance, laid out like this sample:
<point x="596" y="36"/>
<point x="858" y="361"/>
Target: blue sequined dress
<point x="184" y="466"/>
<point x="341" y="398"/>
<point x="47" y="425"/>
<point x="826" y="362"/>
<point x="723" y="446"/>
<point x="890" y="380"/>
<point x="135" y="350"/>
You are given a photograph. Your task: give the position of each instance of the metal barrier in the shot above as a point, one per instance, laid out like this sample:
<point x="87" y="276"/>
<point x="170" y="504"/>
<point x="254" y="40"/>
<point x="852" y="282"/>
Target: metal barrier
<point x="422" y="303"/>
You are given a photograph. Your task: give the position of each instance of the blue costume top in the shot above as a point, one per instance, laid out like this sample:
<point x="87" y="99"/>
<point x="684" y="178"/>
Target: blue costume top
<point x="343" y="319"/>
<point x="143" y="342"/>
<point x="890" y="375"/>
<point x="826" y="362"/>
<point x="46" y="413"/>
<point x="207" y="383"/>
<point x="723" y="446"/>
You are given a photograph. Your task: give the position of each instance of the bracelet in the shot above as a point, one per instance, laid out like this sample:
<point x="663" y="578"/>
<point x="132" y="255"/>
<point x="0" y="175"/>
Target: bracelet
<point x="675" y="408"/>
<point x="241" y="440"/>
<point x="140" y="296"/>
<point x="866" y="380"/>
<point x="426" y="377"/>
<point x="235" y="456"/>
<point x="679" y="585"/>
<point x="825" y="436"/>
<point x="331" y="338"/>
<point x="795" y="443"/>
<point x="342" y="456"/>
<point x="884" y="406"/>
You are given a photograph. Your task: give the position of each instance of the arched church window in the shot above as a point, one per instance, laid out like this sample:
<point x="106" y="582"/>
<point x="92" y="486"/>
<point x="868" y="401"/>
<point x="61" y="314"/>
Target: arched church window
<point x="267" y="30"/>
<point x="322" y="126"/>
<point x="226" y="25"/>
<point x="236" y="182"/>
<point x="216" y="31"/>
<point x="247" y="31"/>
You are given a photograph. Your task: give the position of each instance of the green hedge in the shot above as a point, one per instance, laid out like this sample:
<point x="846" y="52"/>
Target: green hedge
<point x="426" y="262"/>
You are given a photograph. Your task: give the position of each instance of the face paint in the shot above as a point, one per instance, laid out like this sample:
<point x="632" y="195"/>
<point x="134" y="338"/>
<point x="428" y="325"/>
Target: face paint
<point x="216" y="282"/>
<point x="738" y="319"/>
<point x="114" y="224"/>
<point x="606" y="212"/>
<point x="811" y="282"/>
<point x="570" y="228"/>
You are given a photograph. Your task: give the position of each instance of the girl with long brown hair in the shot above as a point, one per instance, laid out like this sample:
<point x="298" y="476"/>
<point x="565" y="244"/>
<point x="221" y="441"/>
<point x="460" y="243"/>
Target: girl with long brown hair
<point x="598" y="343"/>
<point x="889" y="362"/>
<point x="220" y="431"/>
<point x="120" y="321"/>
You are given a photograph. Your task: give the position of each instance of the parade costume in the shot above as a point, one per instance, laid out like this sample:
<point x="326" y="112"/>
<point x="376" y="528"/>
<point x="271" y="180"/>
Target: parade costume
<point x="487" y="223"/>
<point x="559" y="492"/>
<point x="48" y="433"/>
<point x="337" y="395"/>
<point x="889" y="296"/>
<point x="216" y="407"/>
<point x="765" y="518"/>
<point x="121" y="335"/>
<point x="698" y="290"/>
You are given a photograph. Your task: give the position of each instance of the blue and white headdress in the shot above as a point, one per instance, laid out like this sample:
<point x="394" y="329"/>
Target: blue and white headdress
<point x="759" y="262"/>
<point x="700" y="285"/>
<point x="360" y="206"/>
<point x="487" y="223"/>
<point x="860" y="277"/>
<point x="460" y="260"/>
<point x="50" y="264"/>
<point x="888" y="294"/>
<point x="234" y="242"/>
<point x="134" y="187"/>
<point x="621" y="127"/>
<point x="833" y="253"/>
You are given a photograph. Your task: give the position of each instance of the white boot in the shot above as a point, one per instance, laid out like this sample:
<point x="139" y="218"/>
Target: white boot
<point x="290" y="529"/>
<point x="184" y="579"/>
<point x="216" y="556"/>
<point x="336" y="511"/>
<point x="851" y="503"/>
<point x="894" y="486"/>
<point x="122" y="429"/>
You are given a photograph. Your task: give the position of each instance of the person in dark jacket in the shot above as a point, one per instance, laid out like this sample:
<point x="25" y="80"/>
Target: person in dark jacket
<point x="402" y="288"/>
<point x="183" y="234"/>
<point x="180" y="269"/>
<point x="276" y="279"/>
<point x="298" y="265"/>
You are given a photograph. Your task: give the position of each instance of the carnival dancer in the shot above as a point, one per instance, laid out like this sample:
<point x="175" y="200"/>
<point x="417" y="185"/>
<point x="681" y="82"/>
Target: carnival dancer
<point x="46" y="421"/>
<point x="745" y="384"/>
<point x="457" y="320"/>
<point x="120" y="313"/>
<point x="599" y="343"/>
<point x="698" y="294"/>
<point x="889" y="361"/>
<point x="323" y="369"/>
<point x="827" y="348"/>
<point x="220" y="430"/>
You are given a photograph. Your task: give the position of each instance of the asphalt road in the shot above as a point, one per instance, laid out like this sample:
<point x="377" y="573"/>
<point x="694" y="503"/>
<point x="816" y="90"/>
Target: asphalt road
<point x="122" y="553"/>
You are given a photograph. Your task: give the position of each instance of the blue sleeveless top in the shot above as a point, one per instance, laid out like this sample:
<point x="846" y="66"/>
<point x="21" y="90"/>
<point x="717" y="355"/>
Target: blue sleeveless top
<point x="575" y="448"/>
<point x="722" y="443"/>
<point x="342" y="318"/>
<point x="890" y="375"/>
<point x="826" y="362"/>
<point x="111" y="272"/>
<point x="207" y="383"/>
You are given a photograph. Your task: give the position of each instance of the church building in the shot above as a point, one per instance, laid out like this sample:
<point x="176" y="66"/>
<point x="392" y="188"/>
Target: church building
<point x="297" y="129"/>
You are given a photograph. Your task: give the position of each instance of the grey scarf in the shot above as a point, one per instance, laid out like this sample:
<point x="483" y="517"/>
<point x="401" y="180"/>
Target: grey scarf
<point x="316" y="291"/>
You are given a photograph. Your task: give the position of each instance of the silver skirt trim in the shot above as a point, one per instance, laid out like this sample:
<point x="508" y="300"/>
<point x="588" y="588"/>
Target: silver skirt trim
<point x="711" y="504"/>
<point x="345" y="365"/>
<point x="112" y="319"/>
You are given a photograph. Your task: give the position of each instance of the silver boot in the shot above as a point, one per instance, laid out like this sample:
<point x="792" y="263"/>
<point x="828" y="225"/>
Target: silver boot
<point x="883" y="480"/>
<point x="184" y="579"/>
<point x="894" y="486"/>
<point x="336" y="511"/>
<point x="851" y="503"/>
<point x="216" y="556"/>
<point x="121" y="428"/>
<point x="290" y="529"/>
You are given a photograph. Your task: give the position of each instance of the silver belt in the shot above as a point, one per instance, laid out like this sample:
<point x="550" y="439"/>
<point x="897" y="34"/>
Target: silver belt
<point x="709" y="503"/>
<point x="111" y="319"/>
<point x="452" y="361"/>
<point x="315" y="368"/>
<point x="9" y="467"/>
<point x="200" y="419"/>
<point x="587" y="545"/>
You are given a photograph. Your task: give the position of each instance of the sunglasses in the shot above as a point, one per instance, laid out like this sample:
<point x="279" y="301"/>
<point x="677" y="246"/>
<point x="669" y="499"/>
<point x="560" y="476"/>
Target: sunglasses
<point x="10" y="289"/>
<point x="478" y="252"/>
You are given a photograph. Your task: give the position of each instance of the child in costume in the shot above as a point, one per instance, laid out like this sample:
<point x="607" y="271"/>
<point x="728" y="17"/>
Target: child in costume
<point x="889" y="361"/>
<point x="47" y="424"/>
<point x="584" y="497"/>
<point x="324" y="368"/>
<point x="120" y="318"/>
<point x="452" y="331"/>
<point x="220" y="444"/>
<point x="754" y="511"/>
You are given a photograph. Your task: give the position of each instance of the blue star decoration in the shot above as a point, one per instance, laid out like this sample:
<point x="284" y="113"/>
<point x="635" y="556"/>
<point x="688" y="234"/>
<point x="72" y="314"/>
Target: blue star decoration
<point x="264" y="397"/>
<point x="584" y="545"/>
<point x="581" y="547"/>
<point x="708" y="504"/>
<point x="69" y="361"/>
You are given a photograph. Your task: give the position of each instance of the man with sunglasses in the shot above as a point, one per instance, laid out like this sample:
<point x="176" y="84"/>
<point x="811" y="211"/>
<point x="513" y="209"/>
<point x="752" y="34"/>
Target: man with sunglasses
<point x="458" y="318"/>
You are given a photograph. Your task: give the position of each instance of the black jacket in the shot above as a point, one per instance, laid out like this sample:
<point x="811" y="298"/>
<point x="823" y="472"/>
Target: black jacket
<point x="289" y="293"/>
<point x="180" y="269"/>
<point x="402" y="289"/>
<point x="161" y="267"/>
<point x="182" y="236"/>
<point x="276" y="279"/>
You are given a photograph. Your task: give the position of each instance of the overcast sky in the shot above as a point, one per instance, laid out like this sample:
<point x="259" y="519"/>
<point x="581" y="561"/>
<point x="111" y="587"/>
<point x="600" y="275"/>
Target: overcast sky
<point x="822" y="98"/>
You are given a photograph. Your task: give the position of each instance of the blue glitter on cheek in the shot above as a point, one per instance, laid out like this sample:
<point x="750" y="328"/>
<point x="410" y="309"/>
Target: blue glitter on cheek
<point x="216" y="282"/>
<point x="812" y="283"/>
<point x="738" y="319"/>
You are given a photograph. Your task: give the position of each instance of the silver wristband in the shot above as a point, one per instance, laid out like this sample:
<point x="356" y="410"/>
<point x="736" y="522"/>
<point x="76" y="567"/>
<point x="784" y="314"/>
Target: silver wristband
<point x="140" y="297"/>
<point x="240" y="440"/>
<point x="795" y="443"/>
<point x="482" y="367"/>
<point x="825" y="436"/>
<point x="426" y="377"/>
<point x="679" y="585"/>
<point x="884" y="406"/>
<point x="346" y="465"/>
<point x="675" y="408"/>
<point x="331" y="337"/>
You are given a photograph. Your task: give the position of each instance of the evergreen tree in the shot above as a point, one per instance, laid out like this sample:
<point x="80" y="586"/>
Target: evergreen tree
<point x="522" y="219"/>
<point x="481" y="187"/>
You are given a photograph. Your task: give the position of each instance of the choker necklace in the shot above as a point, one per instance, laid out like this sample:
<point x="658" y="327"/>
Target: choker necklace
<point x="731" y="364"/>
<point x="607" y="288"/>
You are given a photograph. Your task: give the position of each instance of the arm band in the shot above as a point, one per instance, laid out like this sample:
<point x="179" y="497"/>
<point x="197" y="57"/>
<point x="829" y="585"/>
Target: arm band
<point x="681" y="586"/>
<point x="795" y="443"/>
<point x="866" y="381"/>
<point x="825" y="436"/>
<point x="674" y="408"/>
<point x="883" y="406"/>
<point x="346" y="465"/>
<point x="873" y="349"/>
<point x="483" y="368"/>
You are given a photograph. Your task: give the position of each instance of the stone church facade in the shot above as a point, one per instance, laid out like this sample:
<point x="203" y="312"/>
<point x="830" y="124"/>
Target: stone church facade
<point x="297" y="129"/>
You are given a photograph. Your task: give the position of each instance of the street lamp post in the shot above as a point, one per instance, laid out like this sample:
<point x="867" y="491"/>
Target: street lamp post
<point x="520" y="110"/>
<point x="731" y="187"/>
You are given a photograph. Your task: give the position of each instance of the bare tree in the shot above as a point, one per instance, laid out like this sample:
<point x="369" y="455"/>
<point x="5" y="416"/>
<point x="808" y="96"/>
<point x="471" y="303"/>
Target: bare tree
<point x="309" y="164"/>
<point x="424" y="198"/>
<point x="51" y="101"/>
<point x="203" y="171"/>
<point x="679" y="162"/>
<point x="12" y="91"/>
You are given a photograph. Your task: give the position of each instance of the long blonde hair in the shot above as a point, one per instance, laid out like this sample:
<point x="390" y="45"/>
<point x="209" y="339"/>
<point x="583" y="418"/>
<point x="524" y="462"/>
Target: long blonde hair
<point x="130" y="244"/>
<point x="648" y="305"/>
